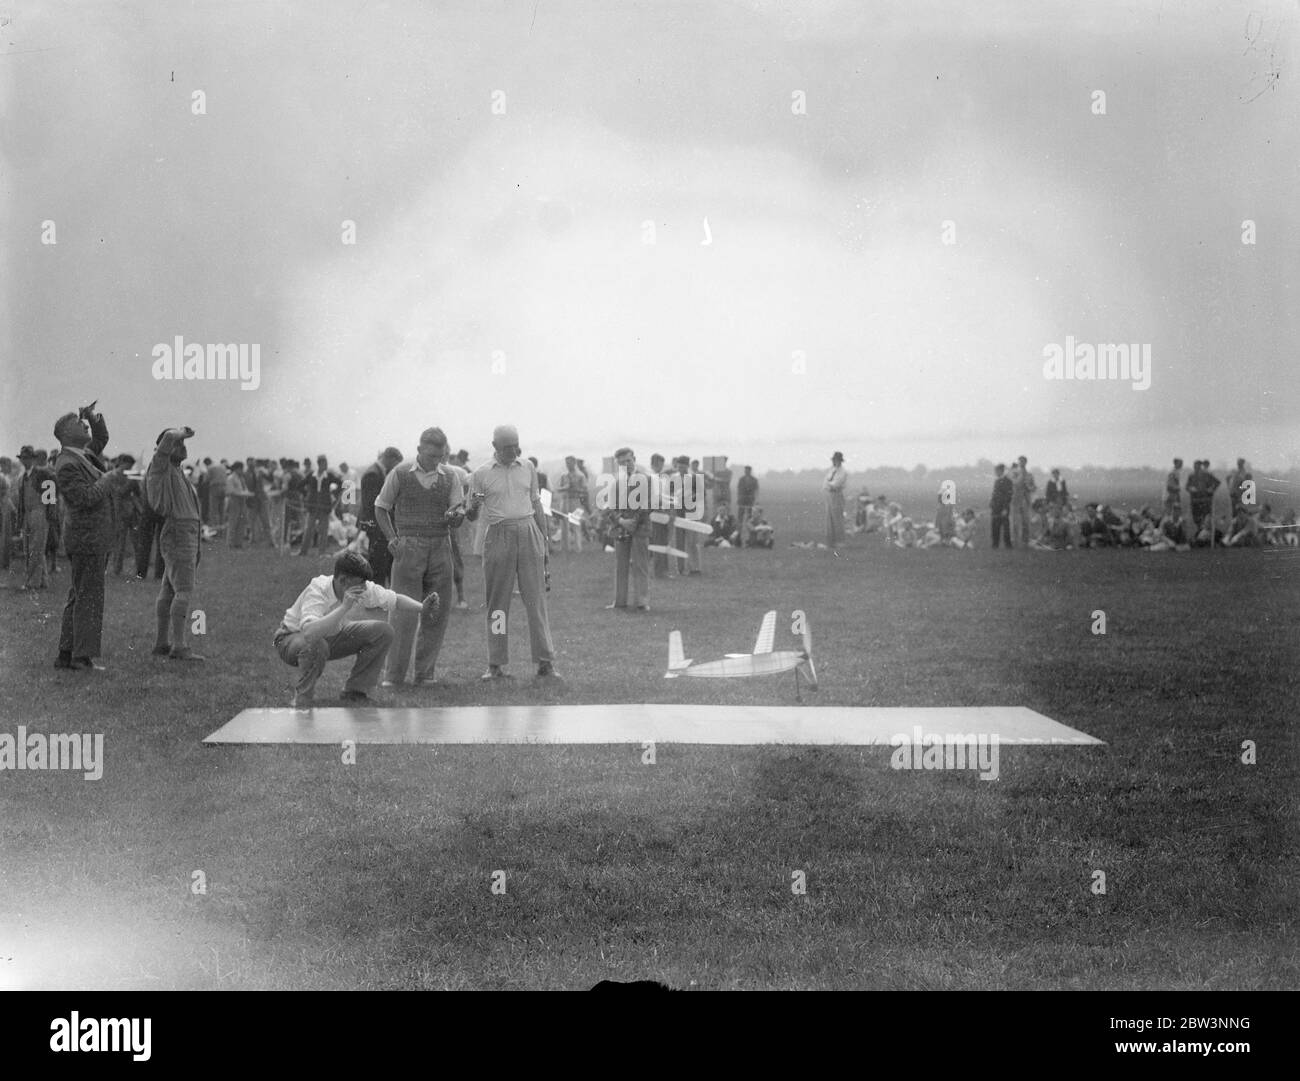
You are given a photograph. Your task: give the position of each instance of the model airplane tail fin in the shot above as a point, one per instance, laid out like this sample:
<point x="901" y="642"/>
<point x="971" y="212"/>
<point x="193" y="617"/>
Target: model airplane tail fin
<point x="676" y="655"/>
<point x="766" y="634"/>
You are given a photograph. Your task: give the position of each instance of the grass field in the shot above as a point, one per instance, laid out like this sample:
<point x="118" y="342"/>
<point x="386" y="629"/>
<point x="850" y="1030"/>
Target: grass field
<point x="378" y="874"/>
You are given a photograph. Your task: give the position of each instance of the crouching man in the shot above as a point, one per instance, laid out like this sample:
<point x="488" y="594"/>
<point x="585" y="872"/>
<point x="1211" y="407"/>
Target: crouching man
<point x="343" y="615"/>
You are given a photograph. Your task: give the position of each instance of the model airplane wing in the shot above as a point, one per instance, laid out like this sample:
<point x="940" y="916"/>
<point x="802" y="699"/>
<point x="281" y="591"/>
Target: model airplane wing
<point x="677" y="659"/>
<point x="545" y="496"/>
<point x="668" y="550"/>
<point x="692" y="526"/>
<point x="766" y="634"/>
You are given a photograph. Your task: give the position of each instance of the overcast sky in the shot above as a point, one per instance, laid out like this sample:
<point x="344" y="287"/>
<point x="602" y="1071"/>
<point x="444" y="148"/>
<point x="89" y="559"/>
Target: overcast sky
<point x="517" y="236"/>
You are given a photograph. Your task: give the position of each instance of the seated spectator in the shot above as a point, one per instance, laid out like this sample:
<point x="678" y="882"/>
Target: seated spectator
<point x="759" y="532"/>
<point x="1244" y="531"/>
<point x="724" y="528"/>
<point x="965" y="530"/>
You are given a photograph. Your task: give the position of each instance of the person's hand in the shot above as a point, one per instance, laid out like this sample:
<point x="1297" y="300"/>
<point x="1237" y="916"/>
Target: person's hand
<point x="352" y="596"/>
<point x="430" y="607"/>
<point x="455" y="518"/>
<point x="187" y="432"/>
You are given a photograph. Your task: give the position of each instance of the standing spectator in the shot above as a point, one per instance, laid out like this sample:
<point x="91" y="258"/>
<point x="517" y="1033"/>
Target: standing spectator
<point x="237" y="499"/>
<point x="573" y="497"/>
<point x="661" y="533"/>
<point x="320" y="488"/>
<point x="543" y="485"/>
<point x="275" y="499"/>
<point x="128" y="502"/>
<point x="631" y="542"/>
<point x="176" y="500"/>
<point x="416" y="509"/>
<point x="372" y="483"/>
<point x="82" y="479"/>
<point x="217" y="474"/>
<point x="8" y="513"/>
<point x="689" y="499"/>
<point x="1174" y="487"/>
<point x="1236" y="485"/>
<point x="1201" y="486"/>
<point x="1058" y="493"/>
<point x="833" y="486"/>
<point x="203" y="486"/>
<point x="1001" y="506"/>
<point x="514" y="549"/>
<point x="1022" y="500"/>
<point x="746" y="496"/>
<point x="37" y="491"/>
<point x="257" y="477"/>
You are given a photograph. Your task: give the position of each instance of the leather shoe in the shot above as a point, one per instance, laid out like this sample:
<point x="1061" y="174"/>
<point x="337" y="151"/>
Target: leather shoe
<point x="86" y="664"/>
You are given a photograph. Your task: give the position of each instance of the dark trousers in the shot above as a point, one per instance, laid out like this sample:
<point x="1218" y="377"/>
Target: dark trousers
<point x="367" y="640"/>
<point x="1002" y="527"/>
<point x="317" y="529"/>
<point x="83" y="615"/>
<point x="1201" y="511"/>
<point x="146" y="541"/>
<point x="381" y="559"/>
<point x="458" y="566"/>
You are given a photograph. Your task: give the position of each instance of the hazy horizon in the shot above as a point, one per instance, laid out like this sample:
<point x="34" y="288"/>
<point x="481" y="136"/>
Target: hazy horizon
<point x="502" y="167"/>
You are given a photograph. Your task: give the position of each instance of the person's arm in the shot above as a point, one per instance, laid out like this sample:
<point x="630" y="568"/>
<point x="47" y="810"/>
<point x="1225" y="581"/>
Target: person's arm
<point x="314" y="629"/>
<point x="539" y="515"/>
<point x="98" y="432"/>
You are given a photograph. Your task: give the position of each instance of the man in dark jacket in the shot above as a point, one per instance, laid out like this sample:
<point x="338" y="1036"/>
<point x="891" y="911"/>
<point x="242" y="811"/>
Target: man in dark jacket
<point x="83" y="481"/>
<point x="1001" y="506"/>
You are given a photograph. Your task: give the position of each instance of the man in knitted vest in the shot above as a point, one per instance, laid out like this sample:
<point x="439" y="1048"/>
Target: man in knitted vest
<point x="416" y="509"/>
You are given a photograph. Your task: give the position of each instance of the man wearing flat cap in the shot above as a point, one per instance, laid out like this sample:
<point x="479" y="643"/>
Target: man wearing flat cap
<point x="173" y="497"/>
<point x="82" y="479"/>
<point x="515" y="548"/>
<point x="834" y="485"/>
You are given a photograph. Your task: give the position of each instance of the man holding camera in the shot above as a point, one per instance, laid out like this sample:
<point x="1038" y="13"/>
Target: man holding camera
<point x="82" y="478"/>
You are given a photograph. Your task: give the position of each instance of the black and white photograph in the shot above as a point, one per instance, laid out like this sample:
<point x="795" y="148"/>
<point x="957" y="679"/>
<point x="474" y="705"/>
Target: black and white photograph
<point x="727" y="495"/>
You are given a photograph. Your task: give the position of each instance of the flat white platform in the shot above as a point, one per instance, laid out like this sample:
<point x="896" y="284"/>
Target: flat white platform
<point x="637" y="723"/>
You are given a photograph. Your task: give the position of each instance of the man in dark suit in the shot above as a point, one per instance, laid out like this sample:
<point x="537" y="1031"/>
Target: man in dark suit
<point x="372" y="483"/>
<point x="82" y="477"/>
<point x="1001" y="506"/>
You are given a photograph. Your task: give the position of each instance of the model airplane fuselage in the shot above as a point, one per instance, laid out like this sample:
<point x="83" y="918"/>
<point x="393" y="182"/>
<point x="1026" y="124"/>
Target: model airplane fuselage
<point x="764" y="661"/>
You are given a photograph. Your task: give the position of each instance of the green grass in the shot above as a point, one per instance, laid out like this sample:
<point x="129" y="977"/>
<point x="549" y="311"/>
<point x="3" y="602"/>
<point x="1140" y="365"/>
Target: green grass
<point x="378" y="875"/>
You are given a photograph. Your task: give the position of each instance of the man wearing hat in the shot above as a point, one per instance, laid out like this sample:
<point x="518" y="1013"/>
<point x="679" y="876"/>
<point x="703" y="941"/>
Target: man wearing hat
<point x="515" y="548"/>
<point x="344" y="615"/>
<point x="173" y="497"/>
<point x="836" y="480"/>
<point x="81" y="476"/>
<point x="417" y="508"/>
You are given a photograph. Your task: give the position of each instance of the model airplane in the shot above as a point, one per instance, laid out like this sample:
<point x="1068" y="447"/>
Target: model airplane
<point x="762" y="662"/>
<point x="690" y="524"/>
<point x="668" y="550"/>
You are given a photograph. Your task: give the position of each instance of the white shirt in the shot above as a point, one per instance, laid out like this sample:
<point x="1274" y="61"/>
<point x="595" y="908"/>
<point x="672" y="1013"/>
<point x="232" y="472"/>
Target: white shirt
<point x="318" y="600"/>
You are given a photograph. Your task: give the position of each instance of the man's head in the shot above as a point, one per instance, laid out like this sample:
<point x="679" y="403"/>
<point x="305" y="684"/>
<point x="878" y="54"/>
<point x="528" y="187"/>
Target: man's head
<point x="999" y="469"/>
<point x="505" y="441"/>
<point x="695" y="465"/>
<point x="124" y="461"/>
<point x="462" y="456"/>
<point x="657" y="462"/>
<point x="389" y="458"/>
<point x="625" y="459"/>
<point x="570" y="463"/>
<point x="41" y="457"/>
<point x="749" y="469"/>
<point x="71" y="431"/>
<point x="1022" y="460"/>
<point x="1056" y="474"/>
<point x="1178" y="463"/>
<point x="837" y="458"/>
<point x="433" y="448"/>
<point x="238" y="467"/>
<point x="322" y="463"/>
<point x="306" y="465"/>
<point x="1241" y="463"/>
<point x="27" y="456"/>
<point x="352" y="569"/>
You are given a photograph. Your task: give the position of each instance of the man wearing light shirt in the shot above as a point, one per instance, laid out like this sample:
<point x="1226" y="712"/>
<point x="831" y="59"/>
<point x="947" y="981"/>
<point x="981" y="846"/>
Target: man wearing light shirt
<point x="416" y="510"/>
<point x="515" y="548"/>
<point x="343" y="615"/>
<point x="836" y="479"/>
